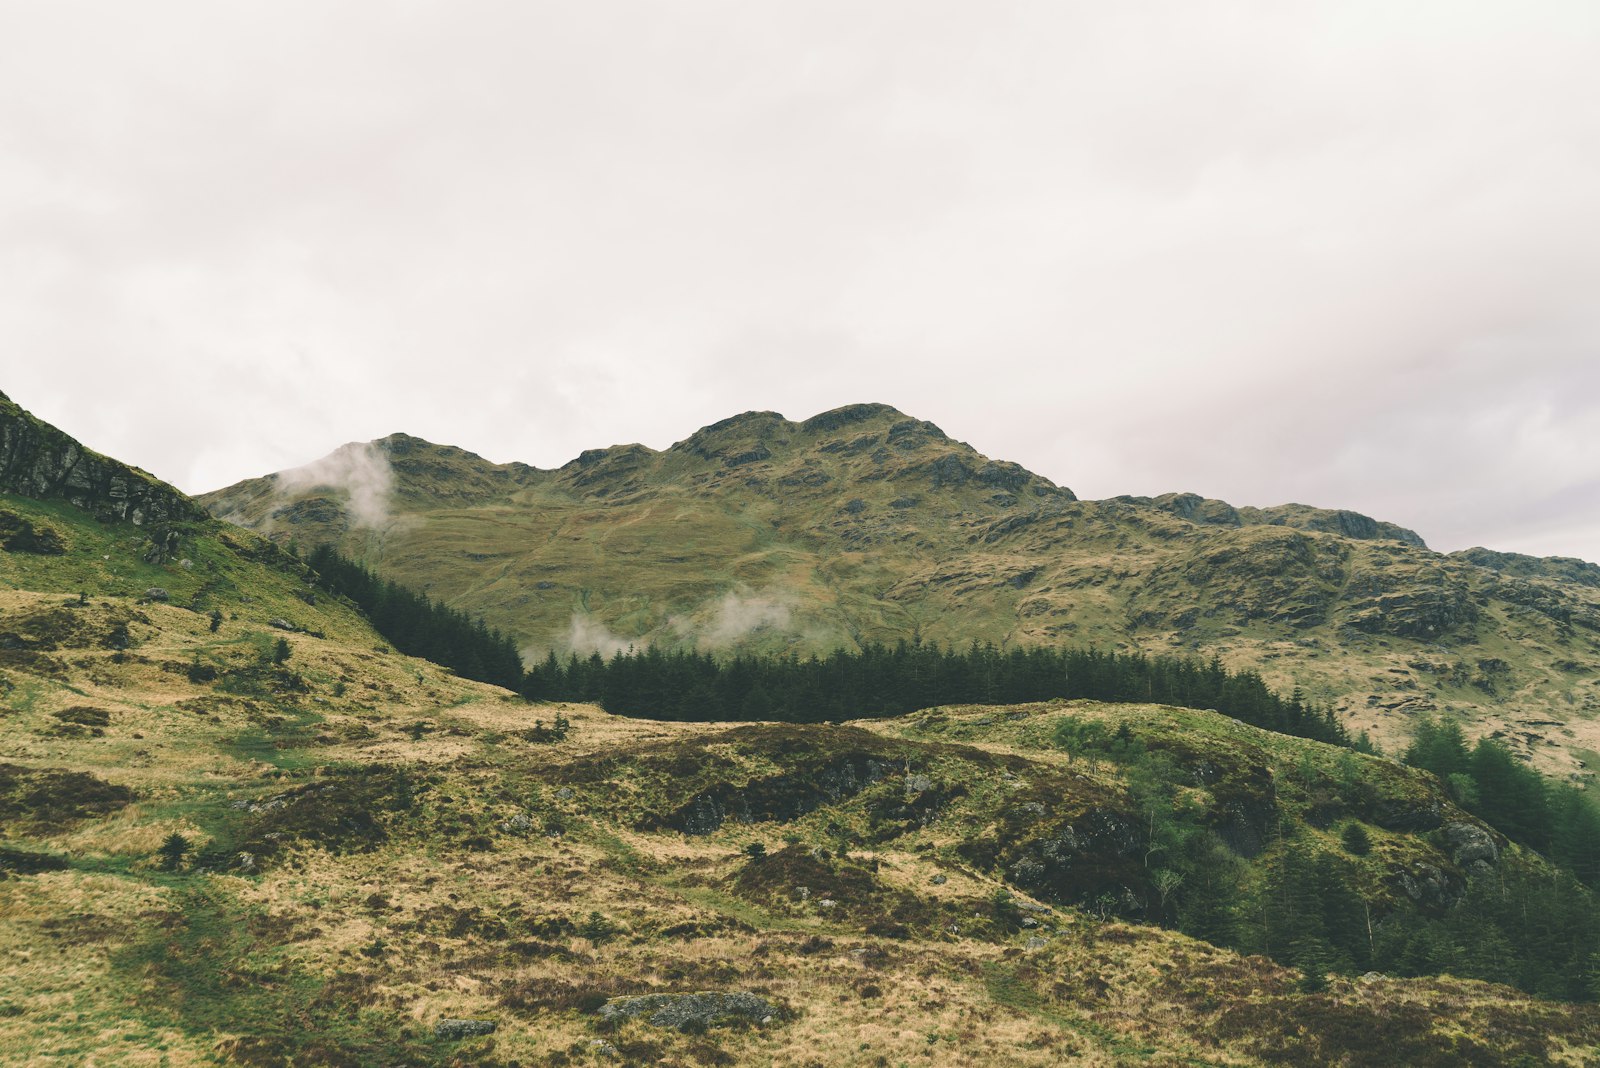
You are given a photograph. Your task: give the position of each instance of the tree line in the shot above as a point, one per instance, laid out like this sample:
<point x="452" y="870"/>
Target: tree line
<point x="1489" y="781"/>
<point x="419" y="626"/>
<point x="1309" y="905"/>
<point x="881" y="681"/>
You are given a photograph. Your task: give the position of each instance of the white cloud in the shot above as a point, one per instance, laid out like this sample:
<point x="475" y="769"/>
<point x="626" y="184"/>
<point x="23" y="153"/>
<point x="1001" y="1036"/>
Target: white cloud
<point x="359" y="470"/>
<point x="585" y="636"/>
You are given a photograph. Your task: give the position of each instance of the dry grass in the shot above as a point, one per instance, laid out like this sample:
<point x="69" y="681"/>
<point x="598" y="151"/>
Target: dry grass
<point x="453" y="869"/>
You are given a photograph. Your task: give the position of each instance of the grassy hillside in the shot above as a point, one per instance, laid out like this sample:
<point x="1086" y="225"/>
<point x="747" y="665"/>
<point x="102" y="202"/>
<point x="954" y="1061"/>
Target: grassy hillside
<point x="861" y="524"/>
<point x="378" y="847"/>
<point x="227" y="842"/>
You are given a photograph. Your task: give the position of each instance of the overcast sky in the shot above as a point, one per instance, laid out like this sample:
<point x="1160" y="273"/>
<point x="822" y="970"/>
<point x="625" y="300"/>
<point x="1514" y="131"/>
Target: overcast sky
<point x="1346" y="254"/>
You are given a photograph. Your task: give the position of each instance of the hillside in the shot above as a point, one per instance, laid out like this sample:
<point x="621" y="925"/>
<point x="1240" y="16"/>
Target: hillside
<point x="864" y="525"/>
<point x="376" y="856"/>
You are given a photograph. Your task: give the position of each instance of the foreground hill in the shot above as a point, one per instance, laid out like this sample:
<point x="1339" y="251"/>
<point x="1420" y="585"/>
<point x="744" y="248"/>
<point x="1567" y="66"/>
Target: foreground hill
<point x="227" y="841"/>
<point x="864" y="525"/>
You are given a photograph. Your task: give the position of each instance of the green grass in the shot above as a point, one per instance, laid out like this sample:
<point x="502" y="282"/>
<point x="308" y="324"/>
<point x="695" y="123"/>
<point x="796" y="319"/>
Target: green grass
<point x="208" y="976"/>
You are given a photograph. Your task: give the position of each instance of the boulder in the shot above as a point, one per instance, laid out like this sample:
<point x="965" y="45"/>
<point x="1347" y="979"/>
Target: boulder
<point x="156" y="593"/>
<point x="691" y="1012"/>
<point x="1428" y="886"/>
<point x="457" y="1029"/>
<point x="1472" y="848"/>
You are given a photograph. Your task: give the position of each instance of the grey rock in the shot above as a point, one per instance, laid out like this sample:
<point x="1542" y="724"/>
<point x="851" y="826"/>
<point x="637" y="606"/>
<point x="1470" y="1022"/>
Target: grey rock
<point x="1471" y="847"/>
<point x="691" y="1011"/>
<point x="940" y="879"/>
<point x="1407" y="816"/>
<point x="41" y="462"/>
<point x="281" y="624"/>
<point x="565" y="793"/>
<point x="1428" y="886"/>
<point x="454" y="1029"/>
<point x="518" y="824"/>
<point x="156" y="593"/>
<point x="916" y="784"/>
<point x="246" y="863"/>
<point x="1036" y="942"/>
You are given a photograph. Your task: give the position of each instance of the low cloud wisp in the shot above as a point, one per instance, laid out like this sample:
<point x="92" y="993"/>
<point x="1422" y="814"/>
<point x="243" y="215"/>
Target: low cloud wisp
<point x="360" y="470"/>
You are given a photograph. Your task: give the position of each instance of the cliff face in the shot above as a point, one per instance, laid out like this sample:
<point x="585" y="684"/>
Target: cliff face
<point x="39" y="461"/>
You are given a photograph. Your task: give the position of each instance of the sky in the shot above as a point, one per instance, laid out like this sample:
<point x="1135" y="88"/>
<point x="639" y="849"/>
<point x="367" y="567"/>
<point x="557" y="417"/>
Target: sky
<point x="1345" y="254"/>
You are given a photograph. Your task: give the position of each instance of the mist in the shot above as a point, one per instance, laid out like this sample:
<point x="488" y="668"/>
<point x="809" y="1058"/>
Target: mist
<point x="359" y="470"/>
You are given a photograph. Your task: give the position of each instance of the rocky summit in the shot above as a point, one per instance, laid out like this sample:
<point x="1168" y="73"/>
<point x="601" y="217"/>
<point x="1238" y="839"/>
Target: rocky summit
<point x="866" y="525"/>
<point x="238" y="826"/>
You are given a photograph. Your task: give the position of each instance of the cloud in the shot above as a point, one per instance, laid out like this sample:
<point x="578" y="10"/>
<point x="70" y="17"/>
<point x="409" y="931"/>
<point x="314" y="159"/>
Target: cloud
<point x="360" y="470"/>
<point x="739" y="616"/>
<point x="586" y="635"/>
<point x="735" y="616"/>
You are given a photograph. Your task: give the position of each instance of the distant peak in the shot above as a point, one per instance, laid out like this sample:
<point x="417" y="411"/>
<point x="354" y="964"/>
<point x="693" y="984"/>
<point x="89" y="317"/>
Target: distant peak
<point x="845" y="416"/>
<point x="744" y="420"/>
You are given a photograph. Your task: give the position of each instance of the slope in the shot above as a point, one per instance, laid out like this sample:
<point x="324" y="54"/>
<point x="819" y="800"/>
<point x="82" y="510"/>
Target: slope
<point x="864" y="525"/>
<point x="376" y="848"/>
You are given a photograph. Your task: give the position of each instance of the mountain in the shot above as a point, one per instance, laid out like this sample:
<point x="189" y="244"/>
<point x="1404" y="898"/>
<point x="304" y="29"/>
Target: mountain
<point x="863" y="524"/>
<point x="236" y="827"/>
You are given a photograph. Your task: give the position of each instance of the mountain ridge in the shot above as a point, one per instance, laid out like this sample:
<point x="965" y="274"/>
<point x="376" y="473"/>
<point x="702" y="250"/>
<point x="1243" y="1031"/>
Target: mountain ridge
<point x="864" y="524"/>
<point x="236" y="827"/>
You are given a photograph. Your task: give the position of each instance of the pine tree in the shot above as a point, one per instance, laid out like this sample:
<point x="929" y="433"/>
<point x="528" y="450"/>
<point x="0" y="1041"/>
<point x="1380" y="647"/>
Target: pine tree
<point x="173" y="850"/>
<point x="1356" y="840"/>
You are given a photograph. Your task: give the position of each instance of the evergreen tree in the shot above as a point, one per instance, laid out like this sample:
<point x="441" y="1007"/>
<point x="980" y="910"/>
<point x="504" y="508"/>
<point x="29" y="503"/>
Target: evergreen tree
<point x="173" y="849"/>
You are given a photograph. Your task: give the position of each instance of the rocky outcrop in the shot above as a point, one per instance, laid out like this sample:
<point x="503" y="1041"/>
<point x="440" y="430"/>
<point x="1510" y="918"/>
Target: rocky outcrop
<point x="457" y="1029"/>
<point x="1425" y="613"/>
<point x="1560" y="568"/>
<point x="1472" y="849"/>
<point x="780" y="798"/>
<point x="691" y="1012"/>
<point x="1339" y="521"/>
<point x="1428" y="885"/>
<point x="1212" y="512"/>
<point x="39" y="461"/>
<point x="1190" y="506"/>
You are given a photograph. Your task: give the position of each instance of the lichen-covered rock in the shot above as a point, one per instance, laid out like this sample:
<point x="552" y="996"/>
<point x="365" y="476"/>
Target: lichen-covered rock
<point x="1428" y="885"/>
<point x="1410" y="816"/>
<point x="691" y="1012"/>
<point x="456" y="1029"/>
<point x="1472" y="848"/>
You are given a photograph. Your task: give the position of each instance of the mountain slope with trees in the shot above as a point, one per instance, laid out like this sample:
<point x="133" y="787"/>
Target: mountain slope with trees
<point x="862" y="525"/>
<point x="238" y="826"/>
